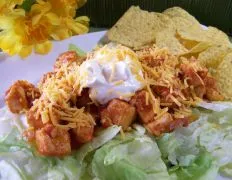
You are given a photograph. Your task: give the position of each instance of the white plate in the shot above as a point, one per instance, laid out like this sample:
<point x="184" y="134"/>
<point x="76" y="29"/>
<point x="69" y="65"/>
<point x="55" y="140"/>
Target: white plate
<point x="33" y="67"/>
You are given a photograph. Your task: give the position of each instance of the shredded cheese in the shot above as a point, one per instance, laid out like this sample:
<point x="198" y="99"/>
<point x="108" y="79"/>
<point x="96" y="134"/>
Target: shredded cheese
<point x="57" y="92"/>
<point x="163" y="70"/>
<point x="162" y="112"/>
<point x="175" y="100"/>
<point x="122" y="134"/>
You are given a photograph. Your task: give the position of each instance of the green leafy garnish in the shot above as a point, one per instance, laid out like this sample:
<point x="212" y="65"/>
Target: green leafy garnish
<point x="73" y="47"/>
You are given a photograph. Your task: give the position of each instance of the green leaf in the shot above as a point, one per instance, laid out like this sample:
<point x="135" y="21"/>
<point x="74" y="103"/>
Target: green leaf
<point x="101" y="138"/>
<point x="136" y="157"/>
<point x="178" y="148"/>
<point x="73" y="47"/>
<point x="19" y="160"/>
<point x="203" y="167"/>
<point x="27" y="4"/>
<point x="212" y="132"/>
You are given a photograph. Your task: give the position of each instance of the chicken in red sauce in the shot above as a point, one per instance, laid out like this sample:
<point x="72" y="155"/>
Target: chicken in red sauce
<point x="62" y="116"/>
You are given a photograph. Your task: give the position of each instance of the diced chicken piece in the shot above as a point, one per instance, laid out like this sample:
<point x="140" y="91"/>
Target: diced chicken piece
<point x="212" y="92"/>
<point x="68" y="57"/>
<point x="166" y="124"/>
<point x="203" y="73"/>
<point x="163" y="93"/>
<point x="53" y="141"/>
<point x="161" y="90"/>
<point x="144" y="110"/>
<point x="118" y="112"/>
<point x="29" y="134"/>
<point x="200" y="91"/>
<point x="20" y="96"/>
<point x="83" y="134"/>
<point x="33" y="121"/>
<point x="193" y="78"/>
<point x="180" y="122"/>
<point x="204" y="85"/>
<point x="210" y="82"/>
<point x="151" y="62"/>
<point x="213" y="95"/>
<point x="159" y="126"/>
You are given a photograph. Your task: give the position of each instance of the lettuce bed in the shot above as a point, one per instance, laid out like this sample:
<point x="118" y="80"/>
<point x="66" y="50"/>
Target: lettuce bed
<point x="200" y="151"/>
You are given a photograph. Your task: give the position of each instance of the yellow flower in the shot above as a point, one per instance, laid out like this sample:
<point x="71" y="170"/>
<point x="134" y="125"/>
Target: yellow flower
<point x="7" y="6"/>
<point x="22" y="32"/>
<point x="66" y="10"/>
<point x="69" y="27"/>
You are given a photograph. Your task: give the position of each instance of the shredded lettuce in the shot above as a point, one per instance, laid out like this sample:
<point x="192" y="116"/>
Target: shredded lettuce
<point x="202" y="168"/>
<point x="185" y="159"/>
<point x="101" y="138"/>
<point x="73" y="47"/>
<point x="203" y="146"/>
<point x="136" y="156"/>
<point x="196" y="152"/>
<point x="19" y="161"/>
<point x="214" y="131"/>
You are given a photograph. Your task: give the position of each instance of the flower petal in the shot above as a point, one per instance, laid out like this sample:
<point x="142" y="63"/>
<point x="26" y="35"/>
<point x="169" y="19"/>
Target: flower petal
<point x="53" y="18"/>
<point x="7" y="6"/>
<point x="83" y="20"/>
<point x="35" y="19"/>
<point x="43" y="48"/>
<point x="76" y="27"/>
<point x="25" y="51"/>
<point x="9" y="43"/>
<point x="64" y="8"/>
<point x="60" y="33"/>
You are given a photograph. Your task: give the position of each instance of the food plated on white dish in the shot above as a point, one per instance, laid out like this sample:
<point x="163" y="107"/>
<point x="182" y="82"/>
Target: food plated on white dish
<point x="145" y="108"/>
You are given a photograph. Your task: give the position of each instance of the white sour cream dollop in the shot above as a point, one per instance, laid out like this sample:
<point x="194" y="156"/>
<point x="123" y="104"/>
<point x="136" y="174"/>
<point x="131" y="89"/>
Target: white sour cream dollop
<point x="111" y="72"/>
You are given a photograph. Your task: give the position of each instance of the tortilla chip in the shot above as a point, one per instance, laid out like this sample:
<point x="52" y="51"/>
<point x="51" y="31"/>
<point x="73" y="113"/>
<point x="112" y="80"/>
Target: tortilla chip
<point x="167" y="39"/>
<point x="213" y="56"/>
<point x="191" y="45"/>
<point x="193" y="34"/>
<point x="179" y="15"/>
<point x="210" y="35"/>
<point x="224" y="77"/>
<point x="137" y="27"/>
<point x="175" y="29"/>
<point x="218" y="36"/>
<point x="200" y="47"/>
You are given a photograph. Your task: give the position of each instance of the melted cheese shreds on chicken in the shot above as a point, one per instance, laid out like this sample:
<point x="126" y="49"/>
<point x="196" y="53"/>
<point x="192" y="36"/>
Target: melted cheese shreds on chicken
<point x="173" y="84"/>
<point x="58" y="91"/>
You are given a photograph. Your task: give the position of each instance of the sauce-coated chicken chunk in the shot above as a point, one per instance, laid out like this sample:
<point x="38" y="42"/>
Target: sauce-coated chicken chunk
<point x="53" y="141"/>
<point x="83" y="134"/>
<point x="68" y="57"/>
<point x="118" y="112"/>
<point x="165" y="124"/>
<point x="34" y="121"/>
<point x="20" y="96"/>
<point x="144" y="110"/>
